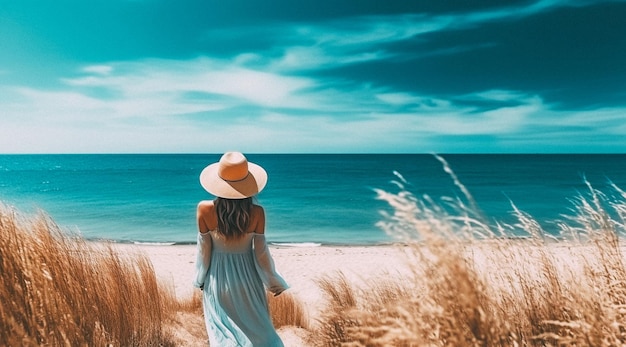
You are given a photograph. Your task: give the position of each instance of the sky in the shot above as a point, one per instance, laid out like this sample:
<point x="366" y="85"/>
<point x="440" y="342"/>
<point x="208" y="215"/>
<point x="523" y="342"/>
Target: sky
<point x="312" y="76"/>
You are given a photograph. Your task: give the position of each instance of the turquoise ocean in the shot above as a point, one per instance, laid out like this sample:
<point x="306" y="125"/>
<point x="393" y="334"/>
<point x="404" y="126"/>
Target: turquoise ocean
<point x="310" y="198"/>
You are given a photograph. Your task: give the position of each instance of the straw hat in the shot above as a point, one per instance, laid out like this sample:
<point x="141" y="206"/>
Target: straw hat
<point x="233" y="177"/>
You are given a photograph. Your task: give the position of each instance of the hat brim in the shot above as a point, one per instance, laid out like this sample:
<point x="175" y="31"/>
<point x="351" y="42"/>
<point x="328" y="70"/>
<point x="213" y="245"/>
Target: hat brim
<point x="245" y="188"/>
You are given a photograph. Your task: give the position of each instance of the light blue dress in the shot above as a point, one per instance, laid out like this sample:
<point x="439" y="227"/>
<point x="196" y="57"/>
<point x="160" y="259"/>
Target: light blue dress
<point x="235" y="275"/>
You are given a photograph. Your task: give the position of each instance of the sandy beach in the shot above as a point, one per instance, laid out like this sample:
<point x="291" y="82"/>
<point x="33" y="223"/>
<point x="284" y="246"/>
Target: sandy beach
<point x="302" y="267"/>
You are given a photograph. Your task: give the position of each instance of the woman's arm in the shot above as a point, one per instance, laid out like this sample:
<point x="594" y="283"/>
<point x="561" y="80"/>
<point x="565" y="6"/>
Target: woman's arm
<point x="265" y="266"/>
<point x="204" y="245"/>
<point x="203" y="259"/>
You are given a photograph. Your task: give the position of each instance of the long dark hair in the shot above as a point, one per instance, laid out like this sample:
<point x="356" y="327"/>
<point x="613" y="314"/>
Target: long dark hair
<point x="233" y="216"/>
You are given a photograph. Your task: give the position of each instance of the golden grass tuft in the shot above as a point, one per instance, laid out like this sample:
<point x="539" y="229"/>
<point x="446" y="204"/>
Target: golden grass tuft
<point x="287" y="310"/>
<point x="471" y="284"/>
<point x="60" y="290"/>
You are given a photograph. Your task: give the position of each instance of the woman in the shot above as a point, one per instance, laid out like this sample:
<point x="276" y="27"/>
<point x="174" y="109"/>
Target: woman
<point x="234" y="265"/>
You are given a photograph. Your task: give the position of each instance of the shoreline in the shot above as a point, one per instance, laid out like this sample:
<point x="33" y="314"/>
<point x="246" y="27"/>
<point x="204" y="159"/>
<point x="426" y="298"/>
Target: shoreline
<point x="361" y="267"/>
<point x="304" y="265"/>
<point x="301" y="266"/>
<point x="277" y="244"/>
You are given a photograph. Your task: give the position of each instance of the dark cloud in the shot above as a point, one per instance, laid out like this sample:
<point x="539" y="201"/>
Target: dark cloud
<point x="572" y="57"/>
<point x="245" y="11"/>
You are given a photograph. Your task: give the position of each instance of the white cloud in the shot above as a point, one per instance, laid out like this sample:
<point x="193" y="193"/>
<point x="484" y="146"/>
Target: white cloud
<point x="417" y="103"/>
<point x="497" y="95"/>
<point x="317" y="57"/>
<point x="170" y="78"/>
<point x="98" y="69"/>
<point x="335" y="44"/>
<point x="84" y="124"/>
<point x="136" y="107"/>
<point x="53" y="106"/>
<point x="397" y="98"/>
<point x="603" y="122"/>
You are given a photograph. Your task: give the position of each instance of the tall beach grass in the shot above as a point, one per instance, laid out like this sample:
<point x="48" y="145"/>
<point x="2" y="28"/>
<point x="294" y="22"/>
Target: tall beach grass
<point x="60" y="290"/>
<point x="471" y="281"/>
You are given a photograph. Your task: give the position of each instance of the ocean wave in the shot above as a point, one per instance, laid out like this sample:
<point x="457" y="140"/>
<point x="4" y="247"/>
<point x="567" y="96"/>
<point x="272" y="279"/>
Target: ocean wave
<point x="146" y="243"/>
<point x="296" y="244"/>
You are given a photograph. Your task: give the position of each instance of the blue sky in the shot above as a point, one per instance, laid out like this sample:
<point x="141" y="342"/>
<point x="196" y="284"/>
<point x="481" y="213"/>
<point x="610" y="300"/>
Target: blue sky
<point x="278" y="76"/>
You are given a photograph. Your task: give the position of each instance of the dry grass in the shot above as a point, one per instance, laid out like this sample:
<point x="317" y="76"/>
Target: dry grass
<point x="472" y="285"/>
<point x="287" y="310"/>
<point x="191" y="304"/>
<point x="59" y="290"/>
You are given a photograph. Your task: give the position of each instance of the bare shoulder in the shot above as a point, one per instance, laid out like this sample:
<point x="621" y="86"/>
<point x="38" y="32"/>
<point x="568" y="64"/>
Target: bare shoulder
<point x="205" y="205"/>
<point x="258" y="212"/>
<point x="258" y="219"/>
